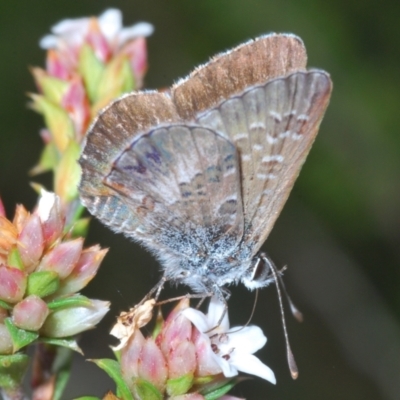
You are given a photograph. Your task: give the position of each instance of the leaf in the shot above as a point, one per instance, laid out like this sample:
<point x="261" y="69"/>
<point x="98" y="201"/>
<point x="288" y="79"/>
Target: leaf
<point x="64" y="342"/>
<point x="48" y="160"/>
<point x="20" y="337"/>
<point x="57" y="121"/>
<point x="144" y="390"/>
<point x="91" y="68"/>
<point x="217" y="388"/>
<point x="113" y="369"/>
<point x="54" y="88"/>
<point x="5" y="305"/>
<point x="14" y="259"/>
<point x="42" y="283"/>
<point x="12" y="370"/>
<point x="68" y="173"/>
<point x="71" y="301"/>
<point x="179" y="385"/>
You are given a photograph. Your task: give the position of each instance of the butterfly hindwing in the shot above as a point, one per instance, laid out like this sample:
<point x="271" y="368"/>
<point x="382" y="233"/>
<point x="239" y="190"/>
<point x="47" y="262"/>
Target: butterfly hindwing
<point x="178" y="180"/>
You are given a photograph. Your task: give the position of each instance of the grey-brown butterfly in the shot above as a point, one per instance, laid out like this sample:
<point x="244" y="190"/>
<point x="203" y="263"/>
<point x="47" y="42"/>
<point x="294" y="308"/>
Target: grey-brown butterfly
<point x="199" y="174"/>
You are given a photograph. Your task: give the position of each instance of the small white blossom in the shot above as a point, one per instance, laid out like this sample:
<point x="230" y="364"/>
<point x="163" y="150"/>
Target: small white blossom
<point x="73" y="31"/>
<point x="231" y="349"/>
<point x="47" y="201"/>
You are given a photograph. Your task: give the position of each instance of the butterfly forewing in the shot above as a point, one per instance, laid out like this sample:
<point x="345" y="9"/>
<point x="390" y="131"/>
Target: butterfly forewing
<point x="252" y="63"/>
<point x="179" y="180"/>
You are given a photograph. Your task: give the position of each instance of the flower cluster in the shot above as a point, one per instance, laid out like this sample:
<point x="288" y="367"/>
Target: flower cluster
<point x="90" y="62"/>
<point x="41" y="270"/>
<point x="188" y="357"/>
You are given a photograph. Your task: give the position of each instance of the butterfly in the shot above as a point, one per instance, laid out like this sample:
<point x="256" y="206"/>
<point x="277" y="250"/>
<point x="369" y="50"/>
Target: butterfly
<point x="198" y="174"/>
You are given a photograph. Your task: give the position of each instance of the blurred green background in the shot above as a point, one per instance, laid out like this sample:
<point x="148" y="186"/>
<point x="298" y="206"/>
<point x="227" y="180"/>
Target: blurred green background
<point x="339" y="233"/>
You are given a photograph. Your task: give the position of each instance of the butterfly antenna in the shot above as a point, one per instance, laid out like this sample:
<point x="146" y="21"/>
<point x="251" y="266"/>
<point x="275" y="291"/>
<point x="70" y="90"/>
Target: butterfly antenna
<point x="294" y="372"/>
<point x="294" y="310"/>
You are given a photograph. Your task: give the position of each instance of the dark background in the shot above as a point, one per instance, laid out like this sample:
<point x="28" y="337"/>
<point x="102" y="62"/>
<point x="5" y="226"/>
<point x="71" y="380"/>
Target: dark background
<point x="339" y="232"/>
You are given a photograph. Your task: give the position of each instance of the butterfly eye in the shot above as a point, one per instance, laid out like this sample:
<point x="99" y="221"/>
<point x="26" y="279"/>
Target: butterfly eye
<point x="260" y="273"/>
<point x="261" y="270"/>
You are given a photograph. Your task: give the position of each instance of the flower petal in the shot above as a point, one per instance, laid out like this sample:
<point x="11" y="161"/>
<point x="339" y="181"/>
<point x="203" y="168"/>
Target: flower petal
<point x="197" y="318"/>
<point x="250" y="364"/>
<point x="141" y="29"/>
<point x="215" y="310"/>
<point x="207" y="360"/>
<point x="110" y="22"/>
<point x="249" y="339"/>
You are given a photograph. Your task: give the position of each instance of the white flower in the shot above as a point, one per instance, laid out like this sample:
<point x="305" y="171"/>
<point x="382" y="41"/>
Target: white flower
<point x="47" y="201"/>
<point x="231" y="349"/>
<point x="73" y="31"/>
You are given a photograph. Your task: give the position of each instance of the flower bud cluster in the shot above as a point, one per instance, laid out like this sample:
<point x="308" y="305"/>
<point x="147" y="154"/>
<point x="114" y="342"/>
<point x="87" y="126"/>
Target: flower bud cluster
<point x="90" y="62"/>
<point x="41" y="270"/>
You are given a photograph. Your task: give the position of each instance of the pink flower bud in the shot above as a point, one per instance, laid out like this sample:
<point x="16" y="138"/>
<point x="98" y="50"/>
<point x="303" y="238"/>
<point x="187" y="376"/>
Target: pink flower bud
<point x="12" y="284"/>
<point x="177" y="329"/>
<point x="56" y="66"/>
<point x="30" y="313"/>
<point x="130" y="357"/>
<point x="182" y="360"/>
<point x="30" y="242"/>
<point x="62" y="258"/>
<point x="152" y="365"/>
<point x="136" y="50"/>
<point x="6" y="344"/>
<point x="84" y="270"/>
<point x="76" y="103"/>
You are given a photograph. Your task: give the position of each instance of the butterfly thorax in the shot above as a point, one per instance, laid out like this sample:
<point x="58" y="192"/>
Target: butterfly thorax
<point x="203" y="259"/>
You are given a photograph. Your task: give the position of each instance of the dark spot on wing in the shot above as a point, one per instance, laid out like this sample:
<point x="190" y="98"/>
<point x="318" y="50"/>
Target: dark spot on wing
<point x="185" y="189"/>
<point x="229" y="207"/>
<point x="139" y="168"/>
<point x="154" y="155"/>
<point x="213" y="173"/>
